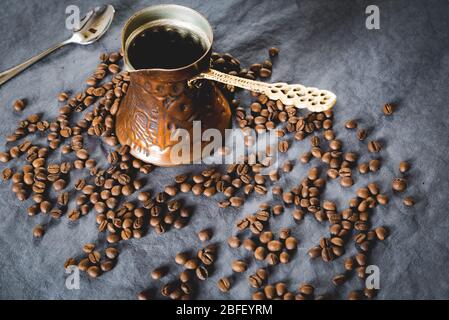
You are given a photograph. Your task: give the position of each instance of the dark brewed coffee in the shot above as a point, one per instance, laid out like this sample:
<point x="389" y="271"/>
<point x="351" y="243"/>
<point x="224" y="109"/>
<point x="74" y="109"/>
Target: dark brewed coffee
<point x="164" y="48"/>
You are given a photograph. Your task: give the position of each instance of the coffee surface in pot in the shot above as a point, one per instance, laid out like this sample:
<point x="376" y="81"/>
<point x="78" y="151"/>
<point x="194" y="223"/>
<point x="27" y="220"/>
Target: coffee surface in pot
<point x="164" y="48"/>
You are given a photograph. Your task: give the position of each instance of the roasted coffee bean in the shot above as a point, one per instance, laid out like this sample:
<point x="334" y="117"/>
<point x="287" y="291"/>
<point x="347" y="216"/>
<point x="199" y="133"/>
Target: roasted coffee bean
<point x="374" y="165"/>
<point x="272" y="259"/>
<point x="7" y="174"/>
<point x="84" y="264"/>
<point x="88" y="247"/>
<point x="381" y="233"/>
<point x="39" y="162"/>
<point x="404" y="166"/>
<point x="374" y="146"/>
<point x="82" y="154"/>
<point x="388" y="109"/>
<point x="111" y="252"/>
<point x="94" y="257"/>
<point x="224" y="284"/>
<point x="256" y="227"/>
<point x="273" y="52"/>
<point x="274" y="245"/>
<point x="236" y="201"/>
<point x="202" y="273"/>
<point x="158" y="273"/>
<point x="327" y="254"/>
<point x="399" y="184"/>
<point x="205" y="235"/>
<point x="33" y="210"/>
<point x="291" y="243"/>
<point x="409" y="201"/>
<point x="239" y="266"/>
<point x="284" y="257"/>
<point x="266" y="237"/>
<point x="63" y="96"/>
<point x="278" y="209"/>
<point x="113" y="238"/>
<point x="59" y="184"/>
<point x="306" y="289"/>
<point x="363" y="193"/>
<point x="369" y="293"/>
<point x="287" y="197"/>
<point x="191" y="264"/>
<point x="94" y="271"/>
<point x="265" y="73"/>
<point x="354" y="295"/>
<point x="315" y="252"/>
<point x="19" y="105"/>
<point x="338" y="280"/>
<point x="255" y="280"/>
<point x="107" y="265"/>
<point x="234" y="242"/>
<point x="206" y="256"/>
<point x="351" y="124"/>
<point x="361" y="134"/>
<point x="283" y="146"/>
<point x="45" y="206"/>
<point x="69" y="262"/>
<point x="349" y="264"/>
<point x="38" y="231"/>
<point x="260" y="253"/>
<point x="4" y="157"/>
<point x="346" y="182"/>
<point x="184" y="276"/>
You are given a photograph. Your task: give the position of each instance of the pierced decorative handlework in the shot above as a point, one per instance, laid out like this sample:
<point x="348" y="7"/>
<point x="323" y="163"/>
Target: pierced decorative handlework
<point x="297" y="95"/>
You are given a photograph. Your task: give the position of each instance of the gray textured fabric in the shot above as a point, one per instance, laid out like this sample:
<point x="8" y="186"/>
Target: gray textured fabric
<point x="322" y="43"/>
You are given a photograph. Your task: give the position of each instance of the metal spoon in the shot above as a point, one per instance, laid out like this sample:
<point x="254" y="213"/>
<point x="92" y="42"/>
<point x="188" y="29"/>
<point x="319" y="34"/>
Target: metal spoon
<point x="92" y="26"/>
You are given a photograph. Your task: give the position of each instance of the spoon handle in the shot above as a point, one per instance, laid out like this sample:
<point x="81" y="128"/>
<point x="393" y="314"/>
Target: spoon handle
<point x="10" y="73"/>
<point x="297" y="95"/>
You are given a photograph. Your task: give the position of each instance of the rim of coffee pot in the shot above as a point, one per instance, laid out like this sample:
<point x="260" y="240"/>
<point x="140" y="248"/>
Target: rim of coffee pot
<point x="176" y="16"/>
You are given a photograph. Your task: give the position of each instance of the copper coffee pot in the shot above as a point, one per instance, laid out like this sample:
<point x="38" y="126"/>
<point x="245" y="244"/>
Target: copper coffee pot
<point x="159" y="101"/>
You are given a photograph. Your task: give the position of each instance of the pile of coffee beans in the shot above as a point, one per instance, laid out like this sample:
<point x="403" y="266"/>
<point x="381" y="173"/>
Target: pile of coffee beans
<point x="109" y="190"/>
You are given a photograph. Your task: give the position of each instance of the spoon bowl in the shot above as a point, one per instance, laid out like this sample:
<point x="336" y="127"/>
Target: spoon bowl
<point x="93" y="25"/>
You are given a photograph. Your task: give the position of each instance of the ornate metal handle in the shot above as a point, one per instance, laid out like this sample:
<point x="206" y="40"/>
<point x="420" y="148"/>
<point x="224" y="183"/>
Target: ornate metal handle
<point x="297" y="95"/>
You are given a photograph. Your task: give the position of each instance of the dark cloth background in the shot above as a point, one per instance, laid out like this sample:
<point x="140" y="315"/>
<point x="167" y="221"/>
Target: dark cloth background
<point x="323" y="44"/>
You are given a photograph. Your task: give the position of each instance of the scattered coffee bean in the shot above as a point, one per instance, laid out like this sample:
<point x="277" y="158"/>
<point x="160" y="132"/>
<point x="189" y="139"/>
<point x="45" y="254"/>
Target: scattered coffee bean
<point x="224" y="284"/>
<point x="38" y="231"/>
<point x="63" y="96"/>
<point x="283" y="146"/>
<point x="234" y="242"/>
<point x="204" y="235"/>
<point x="399" y="184"/>
<point x="19" y="105"/>
<point x="381" y="233"/>
<point x="239" y="266"/>
<point x="346" y="182"/>
<point x="111" y="253"/>
<point x="404" y="166"/>
<point x="374" y="146"/>
<point x="351" y="124"/>
<point x="409" y="201"/>
<point x="273" y="52"/>
<point x="361" y="134"/>
<point x="202" y="273"/>
<point x="94" y="271"/>
<point x="338" y="280"/>
<point x="354" y="295"/>
<point x="158" y="273"/>
<point x="88" y="247"/>
<point x="388" y="109"/>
